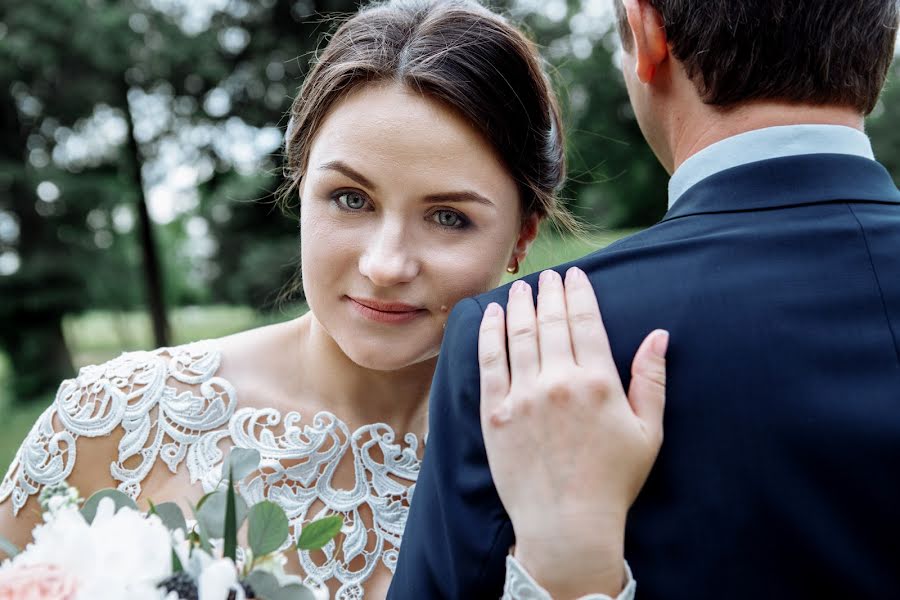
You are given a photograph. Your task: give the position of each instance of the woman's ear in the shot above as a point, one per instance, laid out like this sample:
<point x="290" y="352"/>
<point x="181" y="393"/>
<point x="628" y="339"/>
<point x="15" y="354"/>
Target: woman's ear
<point x="527" y="234"/>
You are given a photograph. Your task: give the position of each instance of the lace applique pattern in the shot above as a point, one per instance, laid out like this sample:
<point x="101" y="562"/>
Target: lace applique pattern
<point x="298" y="460"/>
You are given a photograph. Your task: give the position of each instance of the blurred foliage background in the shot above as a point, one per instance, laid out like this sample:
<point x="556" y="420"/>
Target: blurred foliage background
<point x="139" y="153"/>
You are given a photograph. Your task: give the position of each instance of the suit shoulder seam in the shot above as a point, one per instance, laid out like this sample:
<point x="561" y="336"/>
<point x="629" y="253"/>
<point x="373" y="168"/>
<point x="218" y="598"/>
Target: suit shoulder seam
<point x="887" y="316"/>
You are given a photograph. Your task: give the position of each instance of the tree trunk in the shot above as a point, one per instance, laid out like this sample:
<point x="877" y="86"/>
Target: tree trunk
<point x="153" y="281"/>
<point x="38" y="355"/>
<point x="31" y="332"/>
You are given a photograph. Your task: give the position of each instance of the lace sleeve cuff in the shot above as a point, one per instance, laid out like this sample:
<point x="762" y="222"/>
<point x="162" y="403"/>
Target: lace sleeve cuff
<point x="521" y="586"/>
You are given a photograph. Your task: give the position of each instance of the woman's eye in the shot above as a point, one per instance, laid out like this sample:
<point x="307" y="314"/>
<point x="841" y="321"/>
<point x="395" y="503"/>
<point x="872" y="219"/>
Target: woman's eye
<point x="351" y="200"/>
<point x="450" y="219"/>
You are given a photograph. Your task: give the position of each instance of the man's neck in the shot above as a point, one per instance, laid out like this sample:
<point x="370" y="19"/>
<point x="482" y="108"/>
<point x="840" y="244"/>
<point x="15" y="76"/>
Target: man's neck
<point x="712" y="124"/>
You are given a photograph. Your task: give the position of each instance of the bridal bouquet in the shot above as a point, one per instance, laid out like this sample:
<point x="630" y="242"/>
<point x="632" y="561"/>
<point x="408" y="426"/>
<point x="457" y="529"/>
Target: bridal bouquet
<point x="106" y="549"/>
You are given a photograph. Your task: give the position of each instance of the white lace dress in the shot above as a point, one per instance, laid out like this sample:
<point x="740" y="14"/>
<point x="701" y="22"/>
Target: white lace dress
<point x="170" y="405"/>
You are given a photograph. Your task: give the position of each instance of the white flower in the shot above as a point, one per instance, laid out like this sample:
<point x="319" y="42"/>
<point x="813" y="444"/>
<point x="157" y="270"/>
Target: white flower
<point x="320" y="592"/>
<point x="217" y="579"/>
<point x="55" y="497"/>
<point x="120" y="555"/>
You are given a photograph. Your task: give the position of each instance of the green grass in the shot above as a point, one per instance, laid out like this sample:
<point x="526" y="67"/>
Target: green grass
<point x="97" y="336"/>
<point x="549" y="250"/>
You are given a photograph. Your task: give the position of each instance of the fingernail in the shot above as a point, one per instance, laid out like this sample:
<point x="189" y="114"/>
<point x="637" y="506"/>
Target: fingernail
<point x="518" y="287"/>
<point x="660" y="343"/>
<point x="548" y="276"/>
<point x="575" y="275"/>
<point x="493" y="310"/>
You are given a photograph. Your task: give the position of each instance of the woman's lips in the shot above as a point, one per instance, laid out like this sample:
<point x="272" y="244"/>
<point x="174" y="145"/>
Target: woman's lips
<point x="386" y="312"/>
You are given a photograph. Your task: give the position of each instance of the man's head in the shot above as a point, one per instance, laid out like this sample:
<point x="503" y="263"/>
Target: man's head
<point x="817" y="53"/>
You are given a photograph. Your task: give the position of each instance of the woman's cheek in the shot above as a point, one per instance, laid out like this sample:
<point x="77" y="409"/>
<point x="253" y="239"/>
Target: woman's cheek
<point x="469" y="272"/>
<point x="327" y="253"/>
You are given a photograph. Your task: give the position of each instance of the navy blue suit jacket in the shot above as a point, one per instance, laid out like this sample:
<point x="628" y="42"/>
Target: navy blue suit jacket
<point x="779" y="476"/>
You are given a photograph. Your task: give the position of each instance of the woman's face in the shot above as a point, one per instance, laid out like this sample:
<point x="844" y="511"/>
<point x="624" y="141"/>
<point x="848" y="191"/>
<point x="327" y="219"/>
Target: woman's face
<point x="405" y="210"/>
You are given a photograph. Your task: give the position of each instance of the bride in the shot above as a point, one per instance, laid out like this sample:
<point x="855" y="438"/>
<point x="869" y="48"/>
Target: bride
<point x="425" y="149"/>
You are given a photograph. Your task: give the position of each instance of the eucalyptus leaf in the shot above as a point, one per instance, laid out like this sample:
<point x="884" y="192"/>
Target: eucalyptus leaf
<point x="266" y="587"/>
<point x="89" y="510"/>
<point x="171" y="516"/>
<point x="295" y="591"/>
<point x="203" y="499"/>
<point x="318" y="533"/>
<point x="241" y="462"/>
<point x="267" y="528"/>
<point x="263" y="583"/>
<point x="8" y="547"/>
<point x="211" y="514"/>
<point x="202" y="537"/>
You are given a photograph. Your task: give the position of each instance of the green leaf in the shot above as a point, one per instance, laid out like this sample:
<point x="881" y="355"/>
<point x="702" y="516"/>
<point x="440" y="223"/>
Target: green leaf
<point x="295" y="591"/>
<point x="211" y="514"/>
<point x="240" y="462"/>
<point x="263" y="583"/>
<point x="197" y="536"/>
<point x="203" y="539"/>
<point x="203" y="499"/>
<point x="171" y="516"/>
<point x="267" y="528"/>
<point x="266" y="587"/>
<point x="8" y="547"/>
<point x="177" y="567"/>
<point x="230" y="534"/>
<point x="318" y="533"/>
<point x="89" y="510"/>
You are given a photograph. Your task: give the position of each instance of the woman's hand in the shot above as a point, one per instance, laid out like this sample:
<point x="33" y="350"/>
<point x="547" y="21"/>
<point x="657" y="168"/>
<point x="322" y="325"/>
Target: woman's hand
<point x="568" y="449"/>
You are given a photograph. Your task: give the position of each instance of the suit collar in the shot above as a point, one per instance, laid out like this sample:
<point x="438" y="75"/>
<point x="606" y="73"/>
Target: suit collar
<point x="766" y="143"/>
<point x="788" y="181"/>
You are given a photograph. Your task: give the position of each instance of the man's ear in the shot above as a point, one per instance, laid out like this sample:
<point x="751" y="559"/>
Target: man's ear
<point x="527" y="234"/>
<point x="649" y="42"/>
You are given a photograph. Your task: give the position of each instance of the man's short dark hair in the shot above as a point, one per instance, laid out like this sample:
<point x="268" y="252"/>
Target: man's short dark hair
<point x="835" y="52"/>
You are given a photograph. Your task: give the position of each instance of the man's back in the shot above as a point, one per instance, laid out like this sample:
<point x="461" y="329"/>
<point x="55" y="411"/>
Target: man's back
<point x="779" y="282"/>
<point x="783" y="414"/>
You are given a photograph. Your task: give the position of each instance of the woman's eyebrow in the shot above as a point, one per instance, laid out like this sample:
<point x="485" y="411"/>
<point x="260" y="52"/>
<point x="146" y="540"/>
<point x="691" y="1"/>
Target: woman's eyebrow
<point x="346" y="170"/>
<point x="466" y="196"/>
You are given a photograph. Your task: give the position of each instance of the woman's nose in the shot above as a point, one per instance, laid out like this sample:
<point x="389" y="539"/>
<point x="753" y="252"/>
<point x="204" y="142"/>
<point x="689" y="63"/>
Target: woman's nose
<point x="388" y="258"/>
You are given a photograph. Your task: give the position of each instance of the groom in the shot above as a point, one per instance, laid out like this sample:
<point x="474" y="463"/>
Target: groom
<point x="777" y="272"/>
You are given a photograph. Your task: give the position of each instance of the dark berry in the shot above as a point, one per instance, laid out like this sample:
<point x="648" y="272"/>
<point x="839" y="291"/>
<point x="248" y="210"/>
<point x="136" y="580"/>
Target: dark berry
<point x="248" y="592"/>
<point x="181" y="583"/>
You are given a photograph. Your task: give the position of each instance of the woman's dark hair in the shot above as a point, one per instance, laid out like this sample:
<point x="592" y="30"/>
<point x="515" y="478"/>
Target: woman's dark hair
<point x="462" y="55"/>
<point x="811" y="51"/>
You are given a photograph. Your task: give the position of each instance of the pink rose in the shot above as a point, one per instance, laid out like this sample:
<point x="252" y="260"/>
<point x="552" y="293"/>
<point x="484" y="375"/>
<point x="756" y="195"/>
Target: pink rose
<point x="37" y="582"/>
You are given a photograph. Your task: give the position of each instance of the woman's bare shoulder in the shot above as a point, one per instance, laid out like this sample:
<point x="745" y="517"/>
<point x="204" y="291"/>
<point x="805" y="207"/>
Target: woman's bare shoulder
<point x="118" y="422"/>
<point x="96" y="431"/>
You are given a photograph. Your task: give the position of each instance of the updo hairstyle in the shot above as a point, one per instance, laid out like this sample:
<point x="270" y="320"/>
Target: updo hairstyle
<point x="460" y="54"/>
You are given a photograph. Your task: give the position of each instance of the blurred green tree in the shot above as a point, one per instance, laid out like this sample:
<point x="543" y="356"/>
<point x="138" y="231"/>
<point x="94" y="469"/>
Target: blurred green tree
<point x="884" y="125"/>
<point x="615" y="180"/>
<point x="98" y="91"/>
<point x="114" y="109"/>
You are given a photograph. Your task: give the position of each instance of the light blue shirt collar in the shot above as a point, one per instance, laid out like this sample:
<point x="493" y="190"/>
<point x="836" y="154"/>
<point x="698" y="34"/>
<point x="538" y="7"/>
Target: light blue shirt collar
<point x="763" y="144"/>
